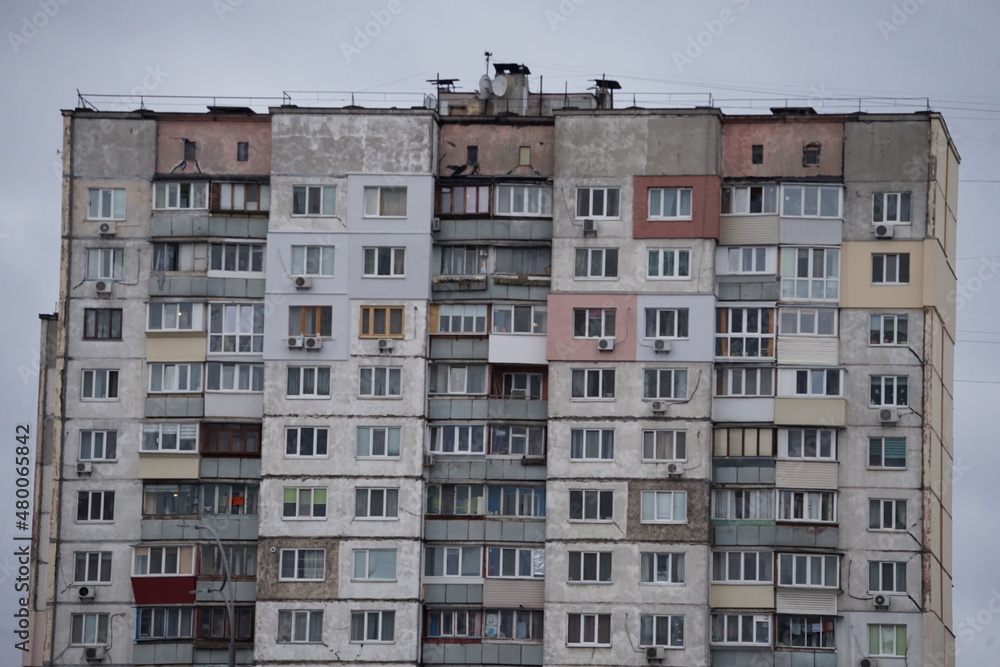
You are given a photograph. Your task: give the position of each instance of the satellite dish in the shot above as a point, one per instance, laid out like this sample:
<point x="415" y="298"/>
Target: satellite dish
<point x="485" y="86"/>
<point x="500" y="85"/>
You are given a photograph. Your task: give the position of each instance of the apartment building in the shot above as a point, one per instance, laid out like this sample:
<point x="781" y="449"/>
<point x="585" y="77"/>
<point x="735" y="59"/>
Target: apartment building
<point x="508" y="378"/>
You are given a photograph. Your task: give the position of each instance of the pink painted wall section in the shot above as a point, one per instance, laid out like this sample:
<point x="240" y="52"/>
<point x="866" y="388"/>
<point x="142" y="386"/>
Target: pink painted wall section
<point x="705" y="205"/>
<point x="216" y="138"/>
<point x="783" y="140"/>
<point x="562" y="346"/>
<point x="499" y="148"/>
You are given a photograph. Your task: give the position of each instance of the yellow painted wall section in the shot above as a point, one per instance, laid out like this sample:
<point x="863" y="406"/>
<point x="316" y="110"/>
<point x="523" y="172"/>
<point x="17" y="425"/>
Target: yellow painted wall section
<point x="740" y="597"/>
<point x="169" y="466"/>
<point x="856" y="288"/>
<point x="176" y="347"/>
<point x="939" y="282"/>
<point x="825" y="411"/>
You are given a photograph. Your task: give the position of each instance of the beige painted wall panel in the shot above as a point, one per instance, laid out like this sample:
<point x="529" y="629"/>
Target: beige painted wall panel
<point x="169" y="466"/>
<point x="806" y="474"/>
<point x="748" y="230"/>
<point x="939" y="282"/>
<point x="810" y="411"/>
<point x="856" y="288"/>
<point x="512" y="593"/>
<point x="176" y="347"/>
<point x="798" y="350"/>
<point x="805" y="601"/>
<point x="741" y="597"/>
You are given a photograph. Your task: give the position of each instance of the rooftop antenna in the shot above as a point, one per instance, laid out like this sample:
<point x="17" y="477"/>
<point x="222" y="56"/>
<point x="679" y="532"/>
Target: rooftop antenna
<point x="488" y="54"/>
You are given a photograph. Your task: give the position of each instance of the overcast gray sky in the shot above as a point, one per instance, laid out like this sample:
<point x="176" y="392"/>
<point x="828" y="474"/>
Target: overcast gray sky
<point x="945" y="50"/>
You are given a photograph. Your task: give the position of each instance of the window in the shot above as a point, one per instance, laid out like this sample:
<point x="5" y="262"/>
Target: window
<point x="810" y="201"/>
<point x="304" y="503"/>
<point x="164" y="623"/>
<point x="597" y="262"/>
<point x="891" y="269"/>
<point x="524" y="261"/>
<point x="515" y="563"/>
<point x="306" y="441"/>
<point x="757" y="154"/>
<point x="180" y="195"/>
<point x="313" y="260"/>
<point x="89" y="629"/>
<point x="886" y="514"/>
<point x="593" y="383"/>
<point x="524" y="156"/>
<point x="308" y="381"/>
<point x="809" y="444"/>
<point x="102" y="323"/>
<point x="818" y="382"/>
<point x="170" y="500"/>
<point x="887" y="390"/>
<point x="744" y="381"/>
<point x="314" y="200"/>
<point x="242" y="151"/>
<point x="453" y="562"/>
<point x="377" y="442"/>
<point x="163" y="561"/>
<point x="594" y="322"/>
<point x="95" y="506"/>
<point x="592" y="444"/>
<point x="805" y="631"/>
<point x="744" y="332"/>
<point x="741" y="629"/>
<point x="234" y="377"/>
<point x="742" y="567"/>
<point x="888" y="329"/>
<point x="167" y="257"/>
<point x="891" y="207"/>
<point x="213" y="623"/>
<point x="239" y="257"/>
<point x="522" y="501"/>
<point x="229" y="499"/>
<point x="170" y="316"/>
<point x="661" y="568"/>
<point x="385" y="202"/>
<point x="244" y="197"/>
<point x="462" y="623"/>
<point x="750" y="199"/>
<point x="810" y="155"/>
<point x="591" y="505"/>
<point x="298" y="626"/>
<point x="886" y="577"/>
<point x="237" y="439"/>
<point x="522" y="385"/>
<point x="170" y="437"/>
<point x="373" y="626"/>
<point x="457" y="379"/>
<point x="241" y="558"/>
<point x="98" y="445"/>
<point x="743" y="442"/>
<point x="458" y="439"/>
<point x="92" y="567"/>
<point x="518" y="441"/>
<point x="464" y="260"/>
<point x="236" y="328"/>
<point x="660" y="383"/>
<point x="464" y="199"/>
<point x="310" y="321"/>
<point x="668" y="263"/>
<point x="743" y="504"/>
<point x="664" y="445"/>
<point x="462" y="319"/>
<point x="887" y="640"/>
<point x="589" y="567"/>
<point x="664" y="507"/>
<point x="589" y="630"/>
<point x="376" y="503"/>
<point x="106" y="204"/>
<point x="380" y="382"/>
<point x="670" y="203"/>
<point x="747" y="260"/>
<point x="375" y="564"/>
<point x="808" y="321"/>
<point x="597" y="202"/>
<point x="105" y="263"/>
<point x="887" y="453"/>
<point x="667" y="631"/>
<point x="813" y="571"/>
<point x="455" y="499"/>
<point x="384" y="262"/>
<point x="520" y="319"/>
<point x="526" y="200"/>
<point x="666" y="322"/>
<point x="174" y="378"/>
<point x="810" y="273"/>
<point x="811" y="506"/>
<point x="303" y="565"/>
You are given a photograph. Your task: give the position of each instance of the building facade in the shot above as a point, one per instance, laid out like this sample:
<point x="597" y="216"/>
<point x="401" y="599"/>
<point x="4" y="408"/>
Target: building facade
<point x="508" y="379"/>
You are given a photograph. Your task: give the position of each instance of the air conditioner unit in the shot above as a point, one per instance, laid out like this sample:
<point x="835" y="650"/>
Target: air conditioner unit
<point x="656" y="653"/>
<point x="868" y="662"/>
<point x="312" y="342"/>
<point x="589" y="228"/>
<point x="84" y="468"/>
<point x="103" y="286"/>
<point x="884" y="231"/>
<point x="881" y="601"/>
<point x="674" y="470"/>
<point x="296" y="341"/>
<point x="435" y="224"/>
<point x="86" y="592"/>
<point x="301" y="282"/>
<point x="518" y="393"/>
<point x="659" y="406"/>
<point x="384" y="344"/>
<point x="107" y="229"/>
<point x="605" y="344"/>
<point x="661" y="345"/>
<point x="94" y="653"/>
<point x="888" y="415"/>
<point x="429" y="460"/>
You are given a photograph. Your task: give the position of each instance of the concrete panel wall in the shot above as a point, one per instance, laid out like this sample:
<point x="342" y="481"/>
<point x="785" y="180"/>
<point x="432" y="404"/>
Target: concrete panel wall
<point x="783" y="142"/>
<point x="216" y="137"/>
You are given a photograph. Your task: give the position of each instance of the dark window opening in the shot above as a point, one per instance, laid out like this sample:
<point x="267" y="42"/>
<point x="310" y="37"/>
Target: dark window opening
<point x="757" y="154"/>
<point x="242" y="151"/>
<point x="810" y="155"/>
<point x="472" y="154"/>
<point x="190" y="150"/>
